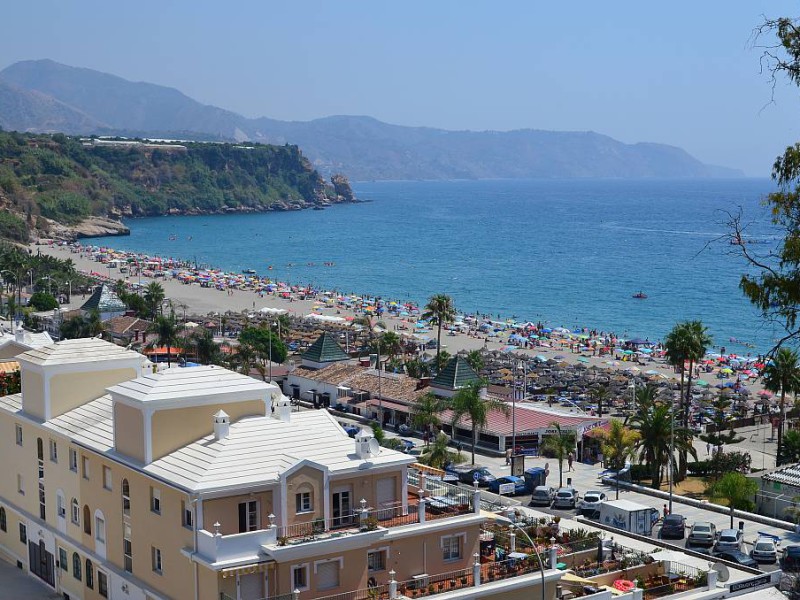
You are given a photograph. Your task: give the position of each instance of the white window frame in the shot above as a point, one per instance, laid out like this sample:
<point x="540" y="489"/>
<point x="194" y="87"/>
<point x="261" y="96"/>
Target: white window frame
<point x="108" y="481"/>
<point x="340" y="561"/>
<point x="187" y="518"/>
<point x="384" y="550"/>
<point x="155" y="500"/>
<point x="53" y="451"/>
<point x="75" y="512"/>
<point x="300" y="567"/>
<point x="73" y="460"/>
<point x="158" y="562"/>
<point x="61" y="509"/>
<point x="300" y="505"/>
<point x="460" y="538"/>
<point x="18" y="433"/>
<point x="100" y="528"/>
<point x="102" y="582"/>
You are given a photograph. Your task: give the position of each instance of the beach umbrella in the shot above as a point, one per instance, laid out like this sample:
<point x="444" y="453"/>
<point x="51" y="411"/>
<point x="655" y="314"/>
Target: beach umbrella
<point x="583" y="359"/>
<point x="701" y="383"/>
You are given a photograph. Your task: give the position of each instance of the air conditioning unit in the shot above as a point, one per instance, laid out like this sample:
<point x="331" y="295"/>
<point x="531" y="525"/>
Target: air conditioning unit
<point x="420" y="582"/>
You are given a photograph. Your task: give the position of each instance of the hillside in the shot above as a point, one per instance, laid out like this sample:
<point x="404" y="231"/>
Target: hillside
<point x="66" y="180"/>
<point x="362" y="147"/>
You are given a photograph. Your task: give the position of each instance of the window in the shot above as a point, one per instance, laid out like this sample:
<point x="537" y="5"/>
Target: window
<point x="155" y="500"/>
<point x="300" y="577"/>
<point x="3" y="521"/>
<point x="76" y="566"/>
<point x="18" y="430"/>
<point x="87" y="520"/>
<point x="76" y="512"/>
<point x="451" y="547"/>
<point x="248" y="516"/>
<point x="73" y="460"/>
<point x="376" y="560"/>
<point x="100" y="529"/>
<point x="89" y="574"/>
<point x="20" y="484"/>
<point x="126" y="498"/>
<point x="302" y="502"/>
<point x="53" y="451"/>
<point x="156" y="560"/>
<point x="85" y="466"/>
<point x="39" y="449"/>
<point x="326" y="574"/>
<point x="188" y="517"/>
<point x="42" y="505"/>
<point x="62" y="559"/>
<point x="107" y="481"/>
<point x="102" y="584"/>
<point x="23" y="533"/>
<point x="127" y="548"/>
<point x="62" y="510"/>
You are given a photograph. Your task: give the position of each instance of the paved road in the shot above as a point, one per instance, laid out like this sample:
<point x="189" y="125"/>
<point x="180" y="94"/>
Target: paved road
<point x="18" y="585"/>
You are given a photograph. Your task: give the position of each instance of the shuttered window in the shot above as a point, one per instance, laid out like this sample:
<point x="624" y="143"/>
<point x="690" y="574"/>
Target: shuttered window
<point x="328" y="575"/>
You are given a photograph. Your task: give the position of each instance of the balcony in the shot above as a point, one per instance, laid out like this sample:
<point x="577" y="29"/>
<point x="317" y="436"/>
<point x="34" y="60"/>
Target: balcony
<point x="218" y="548"/>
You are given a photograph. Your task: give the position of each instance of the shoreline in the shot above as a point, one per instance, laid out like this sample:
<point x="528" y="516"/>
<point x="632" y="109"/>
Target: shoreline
<point x="193" y="298"/>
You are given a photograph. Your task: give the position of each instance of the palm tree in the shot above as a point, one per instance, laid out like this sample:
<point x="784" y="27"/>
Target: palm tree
<point x="559" y="444"/>
<point x="721" y="419"/>
<point x="474" y="359"/>
<point x="735" y="489"/>
<point x="438" y="454"/>
<point x="441" y="359"/>
<point x="782" y="374"/>
<point x="206" y="348"/>
<point x="389" y="343"/>
<point x="440" y="310"/>
<point x="600" y="393"/>
<point x="166" y="331"/>
<point x="426" y="411"/>
<point x="686" y="343"/>
<point x="654" y="422"/>
<point x="467" y="402"/>
<point x="154" y="296"/>
<point x="618" y="444"/>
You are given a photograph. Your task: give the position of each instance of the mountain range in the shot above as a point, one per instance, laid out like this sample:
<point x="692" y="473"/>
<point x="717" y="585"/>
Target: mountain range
<point x="45" y="96"/>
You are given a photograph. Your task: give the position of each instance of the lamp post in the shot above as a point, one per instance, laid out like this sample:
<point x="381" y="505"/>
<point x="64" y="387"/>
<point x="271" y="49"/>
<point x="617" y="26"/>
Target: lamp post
<point x="671" y="448"/>
<point x="518" y="527"/>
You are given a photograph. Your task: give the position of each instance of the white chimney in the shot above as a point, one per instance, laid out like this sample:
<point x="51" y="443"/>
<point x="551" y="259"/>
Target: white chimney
<point x="19" y="334"/>
<point x="222" y="425"/>
<point x="363" y="438"/>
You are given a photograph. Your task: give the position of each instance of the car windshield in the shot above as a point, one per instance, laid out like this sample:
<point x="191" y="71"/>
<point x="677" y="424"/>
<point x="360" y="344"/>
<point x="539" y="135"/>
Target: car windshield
<point x="702" y="529"/>
<point x="764" y="547"/>
<point x="673" y="519"/>
<point x="793" y="551"/>
<point x="727" y="538"/>
<point x="564" y="494"/>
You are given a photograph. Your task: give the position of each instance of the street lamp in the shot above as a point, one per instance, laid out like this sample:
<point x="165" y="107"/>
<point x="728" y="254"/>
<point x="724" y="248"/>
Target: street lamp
<point x="518" y="527"/>
<point x="671" y="448"/>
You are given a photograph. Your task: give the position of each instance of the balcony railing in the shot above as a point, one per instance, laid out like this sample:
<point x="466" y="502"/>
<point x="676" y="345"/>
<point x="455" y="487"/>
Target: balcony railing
<point x="218" y="548"/>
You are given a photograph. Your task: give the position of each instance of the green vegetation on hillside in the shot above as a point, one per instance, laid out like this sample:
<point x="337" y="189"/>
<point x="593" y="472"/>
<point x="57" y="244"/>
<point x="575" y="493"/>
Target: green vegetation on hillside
<point x="67" y="180"/>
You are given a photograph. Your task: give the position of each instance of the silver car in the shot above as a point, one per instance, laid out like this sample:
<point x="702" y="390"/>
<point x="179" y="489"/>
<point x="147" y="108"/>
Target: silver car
<point x="764" y="550"/>
<point x="565" y="498"/>
<point x="703" y="533"/>
<point x="729" y="539"/>
<point x="542" y="496"/>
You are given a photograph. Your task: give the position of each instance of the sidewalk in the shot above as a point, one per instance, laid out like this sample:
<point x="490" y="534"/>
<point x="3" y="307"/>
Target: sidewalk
<point x="18" y="585"/>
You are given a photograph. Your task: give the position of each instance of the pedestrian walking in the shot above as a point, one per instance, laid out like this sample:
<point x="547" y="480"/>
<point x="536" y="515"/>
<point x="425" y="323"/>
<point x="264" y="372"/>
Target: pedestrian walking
<point x="570" y="458"/>
<point x="666" y="511"/>
<point x="708" y="448"/>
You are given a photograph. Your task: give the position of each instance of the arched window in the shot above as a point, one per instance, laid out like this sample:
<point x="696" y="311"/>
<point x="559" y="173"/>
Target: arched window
<point x="76" y="512"/>
<point x="76" y="566"/>
<point x="87" y="520"/>
<point x="89" y="575"/>
<point x="126" y="498"/>
<point x="3" y="522"/>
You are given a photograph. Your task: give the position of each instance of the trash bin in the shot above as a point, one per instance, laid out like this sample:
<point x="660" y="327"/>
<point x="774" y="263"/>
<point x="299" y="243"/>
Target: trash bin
<point x="741" y="525"/>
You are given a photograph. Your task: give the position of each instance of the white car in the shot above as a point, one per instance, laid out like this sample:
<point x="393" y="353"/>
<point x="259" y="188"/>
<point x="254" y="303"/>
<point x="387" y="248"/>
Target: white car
<point x="565" y="498"/>
<point x="729" y="539"/>
<point x="764" y="550"/>
<point x="590" y="504"/>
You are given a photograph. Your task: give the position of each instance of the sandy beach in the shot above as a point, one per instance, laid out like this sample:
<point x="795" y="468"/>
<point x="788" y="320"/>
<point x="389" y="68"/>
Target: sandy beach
<point x="206" y="301"/>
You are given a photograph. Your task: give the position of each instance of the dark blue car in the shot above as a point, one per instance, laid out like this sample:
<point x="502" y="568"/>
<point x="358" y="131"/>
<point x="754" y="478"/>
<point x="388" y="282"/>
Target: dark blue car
<point x="517" y="482"/>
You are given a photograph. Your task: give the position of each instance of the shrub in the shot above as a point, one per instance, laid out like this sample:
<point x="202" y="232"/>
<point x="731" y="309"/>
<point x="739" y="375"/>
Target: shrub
<point x="40" y="301"/>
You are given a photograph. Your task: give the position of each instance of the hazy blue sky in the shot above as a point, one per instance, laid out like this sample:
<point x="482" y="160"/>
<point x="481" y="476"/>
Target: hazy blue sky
<point x="682" y="72"/>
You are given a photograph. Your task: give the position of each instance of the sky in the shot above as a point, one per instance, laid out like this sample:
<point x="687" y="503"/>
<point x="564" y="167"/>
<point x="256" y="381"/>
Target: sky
<point x="684" y="73"/>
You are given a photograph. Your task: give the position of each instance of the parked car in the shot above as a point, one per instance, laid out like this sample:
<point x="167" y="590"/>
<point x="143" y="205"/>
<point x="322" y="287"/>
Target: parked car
<point x="673" y="527"/>
<point x="703" y="533"/>
<point x="407" y="445"/>
<point x="543" y="496"/>
<point x="738" y="557"/>
<point x="484" y="476"/>
<point x="764" y="550"/>
<point x="790" y="558"/>
<point x="729" y="539"/>
<point x="590" y="503"/>
<point x="565" y="498"/>
<point x="517" y="482"/>
<point x="351" y="429"/>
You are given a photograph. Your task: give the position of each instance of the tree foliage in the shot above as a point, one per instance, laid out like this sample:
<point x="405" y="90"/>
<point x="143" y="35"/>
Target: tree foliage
<point x="559" y="445"/>
<point x="736" y="490"/>
<point x="467" y="403"/>
<point x="439" y="310"/>
<point x="782" y="375"/>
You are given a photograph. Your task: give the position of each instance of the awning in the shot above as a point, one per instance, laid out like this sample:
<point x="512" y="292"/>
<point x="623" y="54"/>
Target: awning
<point x="245" y="570"/>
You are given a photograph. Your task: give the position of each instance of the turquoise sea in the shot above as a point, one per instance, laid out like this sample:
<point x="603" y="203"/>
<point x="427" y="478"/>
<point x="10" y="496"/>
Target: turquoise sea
<point x="569" y="253"/>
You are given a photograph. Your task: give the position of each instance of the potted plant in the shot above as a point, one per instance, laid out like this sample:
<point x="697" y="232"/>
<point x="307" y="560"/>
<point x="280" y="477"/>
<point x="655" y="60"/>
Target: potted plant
<point x="282" y="540"/>
<point x="464" y="581"/>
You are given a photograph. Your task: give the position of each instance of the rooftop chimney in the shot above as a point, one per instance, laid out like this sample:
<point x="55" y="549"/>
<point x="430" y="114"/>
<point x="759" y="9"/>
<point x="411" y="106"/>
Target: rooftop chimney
<point x="281" y="407"/>
<point x="19" y="334"/>
<point x="365" y="442"/>
<point x="423" y="383"/>
<point x="222" y="425"/>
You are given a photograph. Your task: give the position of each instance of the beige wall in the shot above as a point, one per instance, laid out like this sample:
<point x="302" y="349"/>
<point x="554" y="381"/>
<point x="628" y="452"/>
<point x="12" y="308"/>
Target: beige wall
<point x="177" y="427"/>
<point x="366" y="487"/>
<point x="225" y="511"/>
<point x="33" y="393"/>
<point x="10" y="351"/>
<point x="68" y="390"/>
<point x="305" y="479"/>
<point x="129" y="440"/>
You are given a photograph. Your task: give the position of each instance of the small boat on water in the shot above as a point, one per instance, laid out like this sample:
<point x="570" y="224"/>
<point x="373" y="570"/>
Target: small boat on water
<point x="640" y="295"/>
<point x="249" y="271"/>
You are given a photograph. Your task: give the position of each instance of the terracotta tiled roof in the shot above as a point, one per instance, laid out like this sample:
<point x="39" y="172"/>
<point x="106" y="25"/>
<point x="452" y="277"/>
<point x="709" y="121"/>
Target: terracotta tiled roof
<point x="124" y="326"/>
<point x="393" y="386"/>
<point x="526" y="420"/>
